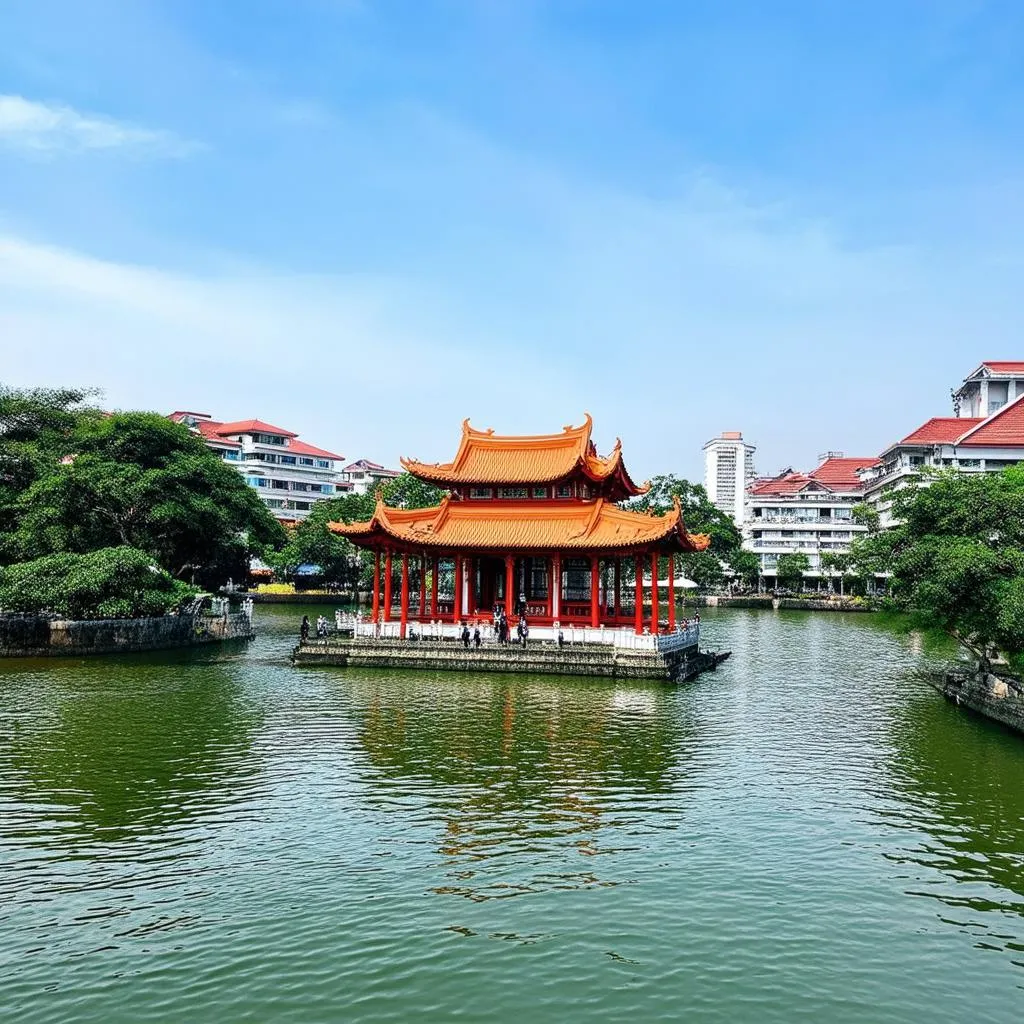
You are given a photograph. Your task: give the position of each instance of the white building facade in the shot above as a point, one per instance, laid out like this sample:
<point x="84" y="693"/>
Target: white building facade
<point x="364" y="476"/>
<point x="728" y="472"/>
<point x="806" y="513"/>
<point x="991" y="386"/>
<point x="289" y="475"/>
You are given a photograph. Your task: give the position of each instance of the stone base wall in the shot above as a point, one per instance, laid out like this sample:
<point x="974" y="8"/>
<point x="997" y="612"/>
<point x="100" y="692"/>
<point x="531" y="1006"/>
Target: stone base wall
<point x="601" y="660"/>
<point x="34" y="636"/>
<point x="806" y="604"/>
<point x="997" y="697"/>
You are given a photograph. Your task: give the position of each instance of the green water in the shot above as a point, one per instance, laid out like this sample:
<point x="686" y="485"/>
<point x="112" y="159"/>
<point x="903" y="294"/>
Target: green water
<point x="810" y="833"/>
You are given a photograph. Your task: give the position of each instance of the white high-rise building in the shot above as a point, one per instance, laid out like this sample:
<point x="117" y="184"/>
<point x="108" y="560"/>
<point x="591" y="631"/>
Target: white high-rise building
<point x="728" y="472"/>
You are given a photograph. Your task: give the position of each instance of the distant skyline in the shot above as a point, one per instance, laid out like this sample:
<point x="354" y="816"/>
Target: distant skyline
<point x="365" y="221"/>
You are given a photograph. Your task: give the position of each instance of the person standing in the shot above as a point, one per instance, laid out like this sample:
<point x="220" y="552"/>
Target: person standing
<point x="304" y="629"/>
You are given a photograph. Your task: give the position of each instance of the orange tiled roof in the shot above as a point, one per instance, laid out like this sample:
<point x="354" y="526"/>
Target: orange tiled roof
<point x="488" y="458"/>
<point x="1003" y="429"/>
<point x="511" y="526"/>
<point x="297" y="447"/>
<point x="788" y="483"/>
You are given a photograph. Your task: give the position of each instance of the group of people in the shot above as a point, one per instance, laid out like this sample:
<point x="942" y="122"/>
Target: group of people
<point x="321" y="627"/>
<point x="503" y="632"/>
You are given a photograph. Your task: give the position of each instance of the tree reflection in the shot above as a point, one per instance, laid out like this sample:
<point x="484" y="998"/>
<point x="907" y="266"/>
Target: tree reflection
<point x="961" y="774"/>
<point x="125" y="747"/>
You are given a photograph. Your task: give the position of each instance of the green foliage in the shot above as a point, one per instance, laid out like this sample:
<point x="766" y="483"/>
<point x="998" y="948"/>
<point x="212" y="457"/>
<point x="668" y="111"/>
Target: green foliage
<point x="699" y="514"/>
<point x="340" y="561"/>
<point x="956" y="557"/>
<point x="115" y="583"/>
<point x="746" y="565"/>
<point x="866" y="515"/>
<point x="790" y="569"/>
<point x="138" y="480"/>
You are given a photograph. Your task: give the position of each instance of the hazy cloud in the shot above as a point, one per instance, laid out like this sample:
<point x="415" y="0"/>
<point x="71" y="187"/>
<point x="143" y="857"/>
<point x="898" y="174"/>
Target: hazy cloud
<point x="47" y="127"/>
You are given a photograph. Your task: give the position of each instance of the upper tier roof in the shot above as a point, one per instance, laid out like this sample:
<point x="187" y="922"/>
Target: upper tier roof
<point x="488" y="458"/>
<point x="254" y="427"/>
<point x="515" y="526"/>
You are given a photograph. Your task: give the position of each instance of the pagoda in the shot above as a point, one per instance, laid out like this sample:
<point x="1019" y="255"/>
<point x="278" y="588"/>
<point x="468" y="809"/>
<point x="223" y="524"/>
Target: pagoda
<point x="531" y="525"/>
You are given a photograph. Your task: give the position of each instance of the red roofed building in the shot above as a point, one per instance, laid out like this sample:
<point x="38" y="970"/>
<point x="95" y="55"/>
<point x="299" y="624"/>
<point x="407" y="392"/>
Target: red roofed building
<point x="810" y="513"/>
<point x="364" y="476"/>
<point x="967" y="442"/>
<point x="992" y="385"/>
<point x="288" y="474"/>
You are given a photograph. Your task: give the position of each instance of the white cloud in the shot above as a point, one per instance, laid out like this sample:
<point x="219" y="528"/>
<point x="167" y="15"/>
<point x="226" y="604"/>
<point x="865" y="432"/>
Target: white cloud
<point x="48" y="127"/>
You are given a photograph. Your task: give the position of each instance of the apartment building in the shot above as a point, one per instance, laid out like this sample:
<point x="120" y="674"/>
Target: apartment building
<point x="289" y="474"/>
<point x="728" y="472"/>
<point x="810" y="513"/>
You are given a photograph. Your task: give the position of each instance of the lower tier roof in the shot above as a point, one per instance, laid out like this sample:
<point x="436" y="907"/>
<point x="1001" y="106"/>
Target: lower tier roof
<point x="515" y="526"/>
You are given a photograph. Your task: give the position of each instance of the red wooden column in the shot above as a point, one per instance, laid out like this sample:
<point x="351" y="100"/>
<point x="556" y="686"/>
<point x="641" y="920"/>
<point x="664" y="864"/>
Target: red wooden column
<point x="671" y="593"/>
<point x="433" y="589"/>
<point x="405" y="594"/>
<point x="457" y="607"/>
<point x="595" y="591"/>
<point x="376" y="585"/>
<point x="617" y="584"/>
<point x="510" y="583"/>
<point x="638" y="614"/>
<point x="654" y="592"/>
<point x="387" y="586"/>
<point x="423" y="587"/>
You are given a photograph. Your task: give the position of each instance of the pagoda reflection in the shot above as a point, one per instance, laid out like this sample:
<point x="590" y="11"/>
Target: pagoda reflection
<point x="533" y="770"/>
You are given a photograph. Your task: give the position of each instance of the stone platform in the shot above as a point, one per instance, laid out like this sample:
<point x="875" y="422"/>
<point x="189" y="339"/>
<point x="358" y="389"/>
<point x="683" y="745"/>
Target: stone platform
<point x="537" y="658"/>
<point x="1000" y="698"/>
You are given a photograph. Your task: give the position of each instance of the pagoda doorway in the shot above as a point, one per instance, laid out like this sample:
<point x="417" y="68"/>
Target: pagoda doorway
<point x="490" y="584"/>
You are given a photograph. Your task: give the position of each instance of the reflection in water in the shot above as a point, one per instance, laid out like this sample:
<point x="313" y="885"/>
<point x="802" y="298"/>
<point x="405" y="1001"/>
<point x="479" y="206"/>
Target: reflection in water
<point x="542" y="768"/>
<point x="959" y="779"/>
<point x="227" y="838"/>
<point x="124" y="748"/>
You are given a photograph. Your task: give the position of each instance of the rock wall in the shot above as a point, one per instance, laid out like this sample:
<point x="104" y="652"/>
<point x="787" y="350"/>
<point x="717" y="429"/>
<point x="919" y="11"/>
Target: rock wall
<point x="33" y="636"/>
<point x="998" y="697"/>
<point x="601" y="660"/>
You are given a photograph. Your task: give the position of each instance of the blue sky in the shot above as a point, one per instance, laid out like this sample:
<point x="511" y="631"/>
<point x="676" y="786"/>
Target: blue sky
<point x="366" y="220"/>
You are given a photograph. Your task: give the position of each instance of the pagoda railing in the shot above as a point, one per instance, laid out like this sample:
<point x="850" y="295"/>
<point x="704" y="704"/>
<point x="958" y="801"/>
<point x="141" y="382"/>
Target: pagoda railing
<point x="572" y="634"/>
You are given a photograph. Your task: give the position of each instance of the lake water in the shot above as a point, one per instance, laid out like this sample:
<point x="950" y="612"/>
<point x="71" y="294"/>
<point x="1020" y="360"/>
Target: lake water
<point x="811" y="833"/>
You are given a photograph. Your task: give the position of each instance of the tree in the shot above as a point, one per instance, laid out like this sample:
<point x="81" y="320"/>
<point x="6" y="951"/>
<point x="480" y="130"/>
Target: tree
<point x="746" y="566"/>
<point x="956" y="558"/>
<point x="705" y="568"/>
<point x="790" y="569"/>
<point x="111" y="583"/>
<point x="408" y="491"/>
<point x="836" y="563"/>
<point x="138" y="480"/>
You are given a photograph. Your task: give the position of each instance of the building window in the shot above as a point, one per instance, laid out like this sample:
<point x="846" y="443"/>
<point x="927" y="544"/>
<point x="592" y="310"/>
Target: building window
<point x="279" y="485"/>
<point x="287" y="460"/>
<point x="256" y="481"/>
<point x="584" y="490"/>
<point x="268" y="439"/>
<point x="563" y="491"/>
<point x="481" y="492"/>
<point x="970" y="463"/>
<point x="513" y="492"/>
<point x="323" y="463"/>
<point x="232" y="455"/>
<point x="306" y="462"/>
<point x="540" y="492"/>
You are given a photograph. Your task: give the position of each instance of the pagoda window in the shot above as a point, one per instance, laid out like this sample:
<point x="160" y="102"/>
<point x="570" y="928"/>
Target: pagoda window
<point x="538" y="583"/>
<point x="577" y="579"/>
<point x="540" y="492"/>
<point x="481" y="492"/>
<point x="584" y="490"/>
<point x="513" y="492"/>
<point x="563" y="491"/>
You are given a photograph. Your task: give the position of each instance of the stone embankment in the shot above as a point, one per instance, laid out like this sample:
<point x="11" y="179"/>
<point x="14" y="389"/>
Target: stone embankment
<point x="803" y="604"/>
<point x="997" y="697"/>
<point x="541" y="658"/>
<point x="35" y="636"/>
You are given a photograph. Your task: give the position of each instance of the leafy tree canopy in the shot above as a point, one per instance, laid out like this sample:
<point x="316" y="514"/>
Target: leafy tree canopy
<point x="138" y="480"/>
<point x="114" y="583"/>
<point x="699" y="514"/>
<point x="956" y="557"/>
<point x="791" y="567"/>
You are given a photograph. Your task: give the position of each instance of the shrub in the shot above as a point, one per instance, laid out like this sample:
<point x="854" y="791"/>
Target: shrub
<point x="110" y="583"/>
